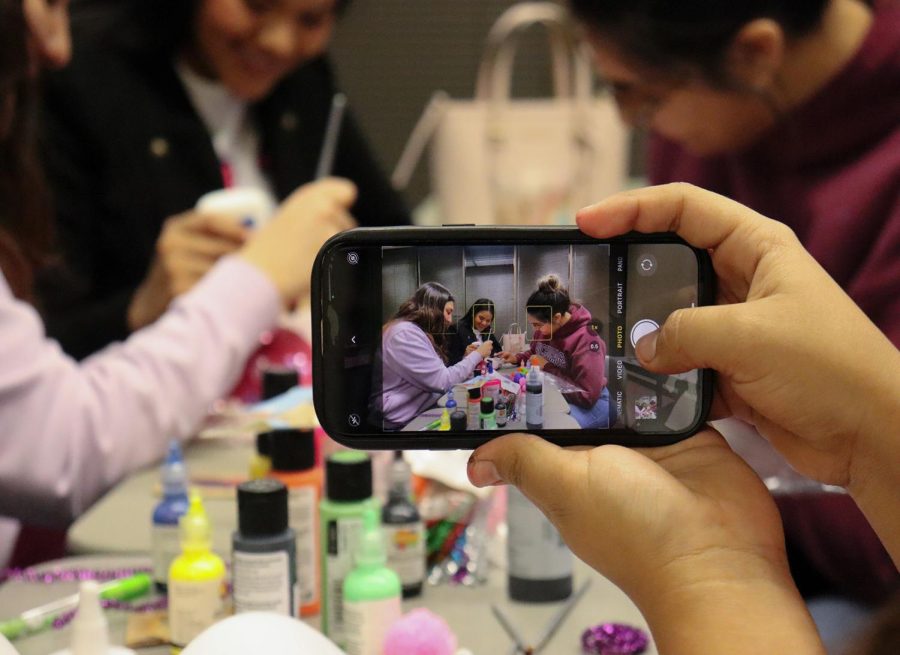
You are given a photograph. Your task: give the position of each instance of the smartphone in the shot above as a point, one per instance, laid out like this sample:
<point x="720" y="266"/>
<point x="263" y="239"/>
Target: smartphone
<point x="405" y="321"/>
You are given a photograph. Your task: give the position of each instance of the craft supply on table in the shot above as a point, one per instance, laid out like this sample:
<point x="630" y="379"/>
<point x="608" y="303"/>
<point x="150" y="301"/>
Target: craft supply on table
<point x="371" y="592"/>
<point x="348" y="495"/>
<point x="294" y="464"/>
<point x="165" y="540"/>
<point x="522" y="646"/>
<point x="420" y="632"/>
<point x="614" y="639"/>
<point x="264" y="551"/>
<point x="90" y="630"/>
<point x="404" y="529"/>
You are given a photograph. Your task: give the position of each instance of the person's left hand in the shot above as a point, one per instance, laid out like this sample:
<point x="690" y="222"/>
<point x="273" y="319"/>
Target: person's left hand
<point x="674" y="527"/>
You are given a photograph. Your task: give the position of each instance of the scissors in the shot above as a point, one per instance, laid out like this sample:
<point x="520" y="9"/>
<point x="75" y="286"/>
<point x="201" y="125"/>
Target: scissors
<point x="519" y="646"/>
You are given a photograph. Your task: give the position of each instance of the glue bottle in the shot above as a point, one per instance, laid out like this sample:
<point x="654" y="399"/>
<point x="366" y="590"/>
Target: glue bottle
<point x="166" y="544"/>
<point x="534" y="399"/>
<point x="371" y="593"/>
<point x="90" y="633"/>
<point x="196" y="579"/>
<point x="404" y="530"/>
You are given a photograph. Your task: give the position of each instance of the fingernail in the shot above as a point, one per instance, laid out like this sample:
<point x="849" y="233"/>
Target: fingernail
<point x="483" y="473"/>
<point x="646" y="347"/>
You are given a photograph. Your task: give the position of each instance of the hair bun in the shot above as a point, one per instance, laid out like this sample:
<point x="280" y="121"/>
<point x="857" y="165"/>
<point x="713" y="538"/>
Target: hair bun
<point x="549" y="283"/>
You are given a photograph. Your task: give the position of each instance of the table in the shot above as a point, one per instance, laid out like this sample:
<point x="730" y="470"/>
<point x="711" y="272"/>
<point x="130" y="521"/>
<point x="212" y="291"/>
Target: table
<point x="467" y="610"/>
<point x="556" y="410"/>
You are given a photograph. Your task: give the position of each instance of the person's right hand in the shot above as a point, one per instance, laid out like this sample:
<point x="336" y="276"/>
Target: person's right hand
<point x="795" y="356"/>
<point x="286" y="247"/>
<point x="486" y="349"/>
<point x="509" y="358"/>
<point x="188" y="246"/>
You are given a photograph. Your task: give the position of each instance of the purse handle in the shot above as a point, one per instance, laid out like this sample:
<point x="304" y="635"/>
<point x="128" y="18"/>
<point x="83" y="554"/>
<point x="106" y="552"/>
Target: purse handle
<point x="572" y="76"/>
<point x="519" y="329"/>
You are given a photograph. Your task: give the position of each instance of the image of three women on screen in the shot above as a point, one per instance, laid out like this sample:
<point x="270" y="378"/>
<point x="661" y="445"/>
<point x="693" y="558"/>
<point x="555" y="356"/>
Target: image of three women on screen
<point x="424" y="354"/>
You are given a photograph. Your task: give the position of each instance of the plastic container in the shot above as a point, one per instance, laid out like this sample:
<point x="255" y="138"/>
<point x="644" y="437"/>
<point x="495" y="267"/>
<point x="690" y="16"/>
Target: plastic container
<point x="264" y="551"/>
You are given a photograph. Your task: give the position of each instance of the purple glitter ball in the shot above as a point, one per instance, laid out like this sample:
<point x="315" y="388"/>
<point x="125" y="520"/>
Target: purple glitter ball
<point x="614" y="639"/>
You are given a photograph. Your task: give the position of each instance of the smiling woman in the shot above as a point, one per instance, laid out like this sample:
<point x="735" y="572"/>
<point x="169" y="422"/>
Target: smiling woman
<point x="218" y="94"/>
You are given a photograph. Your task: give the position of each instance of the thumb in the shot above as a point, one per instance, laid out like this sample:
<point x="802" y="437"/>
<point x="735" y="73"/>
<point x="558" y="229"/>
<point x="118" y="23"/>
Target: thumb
<point x="544" y="472"/>
<point x="700" y="337"/>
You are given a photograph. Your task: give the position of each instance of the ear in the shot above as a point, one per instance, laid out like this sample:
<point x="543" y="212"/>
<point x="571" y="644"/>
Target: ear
<point x="757" y="53"/>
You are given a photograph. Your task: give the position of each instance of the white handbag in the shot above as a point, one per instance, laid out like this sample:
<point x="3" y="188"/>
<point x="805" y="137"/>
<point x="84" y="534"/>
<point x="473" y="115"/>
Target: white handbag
<point x="495" y="159"/>
<point x="513" y="341"/>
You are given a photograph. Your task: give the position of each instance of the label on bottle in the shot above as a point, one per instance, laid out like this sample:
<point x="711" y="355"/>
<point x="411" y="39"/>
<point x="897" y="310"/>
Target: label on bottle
<point x="406" y="552"/>
<point x="302" y="518"/>
<point x="473" y="416"/>
<point x="343" y="541"/>
<point x="166" y="546"/>
<point x="535" y="548"/>
<point x="194" y="605"/>
<point x="366" y="624"/>
<point x="262" y="582"/>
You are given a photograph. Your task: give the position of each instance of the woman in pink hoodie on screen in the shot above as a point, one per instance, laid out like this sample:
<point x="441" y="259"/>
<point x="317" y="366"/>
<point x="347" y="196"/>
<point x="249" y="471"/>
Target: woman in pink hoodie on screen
<point x="570" y="348"/>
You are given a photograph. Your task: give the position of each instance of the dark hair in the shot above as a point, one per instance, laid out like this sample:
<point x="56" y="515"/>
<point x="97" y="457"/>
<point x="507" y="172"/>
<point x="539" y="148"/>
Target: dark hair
<point x="690" y="35"/>
<point x="425" y="308"/>
<point x="479" y="305"/>
<point x="551" y="298"/>
<point x="25" y="227"/>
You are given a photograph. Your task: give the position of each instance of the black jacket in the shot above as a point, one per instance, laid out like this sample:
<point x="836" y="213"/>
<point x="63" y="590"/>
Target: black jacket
<point x="125" y="149"/>
<point x="461" y="337"/>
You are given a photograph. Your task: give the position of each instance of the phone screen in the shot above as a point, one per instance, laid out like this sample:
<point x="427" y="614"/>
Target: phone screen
<point x="543" y="327"/>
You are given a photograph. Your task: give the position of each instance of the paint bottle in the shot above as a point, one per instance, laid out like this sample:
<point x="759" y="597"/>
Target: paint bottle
<point x="196" y="579"/>
<point x="294" y="464"/>
<point x="348" y="494"/>
<point x="473" y="408"/>
<point x="371" y="593"/>
<point x="264" y="551"/>
<point x="539" y="562"/>
<point x="487" y="418"/>
<point x="90" y="630"/>
<point x="501" y="413"/>
<point x="404" y="530"/>
<point x="534" y="399"/>
<point x="166" y="543"/>
<point x="449" y="408"/>
<point x="458" y="421"/>
<point x="277" y="380"/>
<point x="261" y="461"/>
<point x="520" y="397"/>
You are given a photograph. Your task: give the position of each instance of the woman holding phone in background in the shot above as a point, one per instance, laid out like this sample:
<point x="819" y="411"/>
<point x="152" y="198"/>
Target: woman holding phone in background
<point x="414" y="359"/>
<point x="216" y="93"/>
<point x="567" y="345"/>
<point x="472" y="330"/>
<point x="793" y="109"/>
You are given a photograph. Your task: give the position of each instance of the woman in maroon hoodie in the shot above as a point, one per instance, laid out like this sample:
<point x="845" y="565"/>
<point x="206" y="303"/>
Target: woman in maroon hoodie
<point x="568" y="346"/>
<point x="793" y="109"/>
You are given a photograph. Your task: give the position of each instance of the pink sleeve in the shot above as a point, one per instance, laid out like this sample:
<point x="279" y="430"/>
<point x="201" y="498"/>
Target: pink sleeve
<point x="71" y="431"/>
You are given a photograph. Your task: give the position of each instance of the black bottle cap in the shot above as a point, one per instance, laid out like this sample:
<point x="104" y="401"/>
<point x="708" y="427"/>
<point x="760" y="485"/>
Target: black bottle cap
<point x="348" y="476"/>
<point x="458" y="421"/>
<point x="275" y="381"/>
<point x="292" y="449"/>
<point x="487" y="405"/>
<point x="264" y="444"/>
<point x="262" y="507"/>
<point x="475" y="393"/>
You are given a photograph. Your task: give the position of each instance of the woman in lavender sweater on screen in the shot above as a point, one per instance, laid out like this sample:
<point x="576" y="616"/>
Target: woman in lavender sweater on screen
<point x="414" y="363"/>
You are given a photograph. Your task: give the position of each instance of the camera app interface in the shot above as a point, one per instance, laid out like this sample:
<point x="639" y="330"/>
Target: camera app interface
<point x="517" y="337"/>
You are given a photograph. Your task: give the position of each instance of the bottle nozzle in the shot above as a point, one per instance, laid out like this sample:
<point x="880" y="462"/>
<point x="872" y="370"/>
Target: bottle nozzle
<point x="90" y="634"/>
<point x="196" y="533"/>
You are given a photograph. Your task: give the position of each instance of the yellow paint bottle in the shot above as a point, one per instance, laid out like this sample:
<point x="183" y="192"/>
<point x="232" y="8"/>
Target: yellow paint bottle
<point x="196" y="579"/>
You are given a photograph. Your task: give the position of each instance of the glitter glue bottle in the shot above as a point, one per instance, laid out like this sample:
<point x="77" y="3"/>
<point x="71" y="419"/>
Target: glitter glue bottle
<point x="371" y="593"/>
<point x="348" y="495"/>
<point x="294" y="464"/>
<point x="264" y="551"/>
<point x="196" y="579"/>
<point x="166" y="545"/>
<point x="404" y="530"/>
<point x="539" y="562"/>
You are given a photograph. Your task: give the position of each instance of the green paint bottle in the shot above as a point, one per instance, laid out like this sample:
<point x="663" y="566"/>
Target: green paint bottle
<point x="372" y="593"/>
<point x="348" y="495"/>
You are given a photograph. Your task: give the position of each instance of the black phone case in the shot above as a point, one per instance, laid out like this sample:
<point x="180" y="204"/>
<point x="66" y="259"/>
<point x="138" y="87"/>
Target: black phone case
<point x="488" y="235"/>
